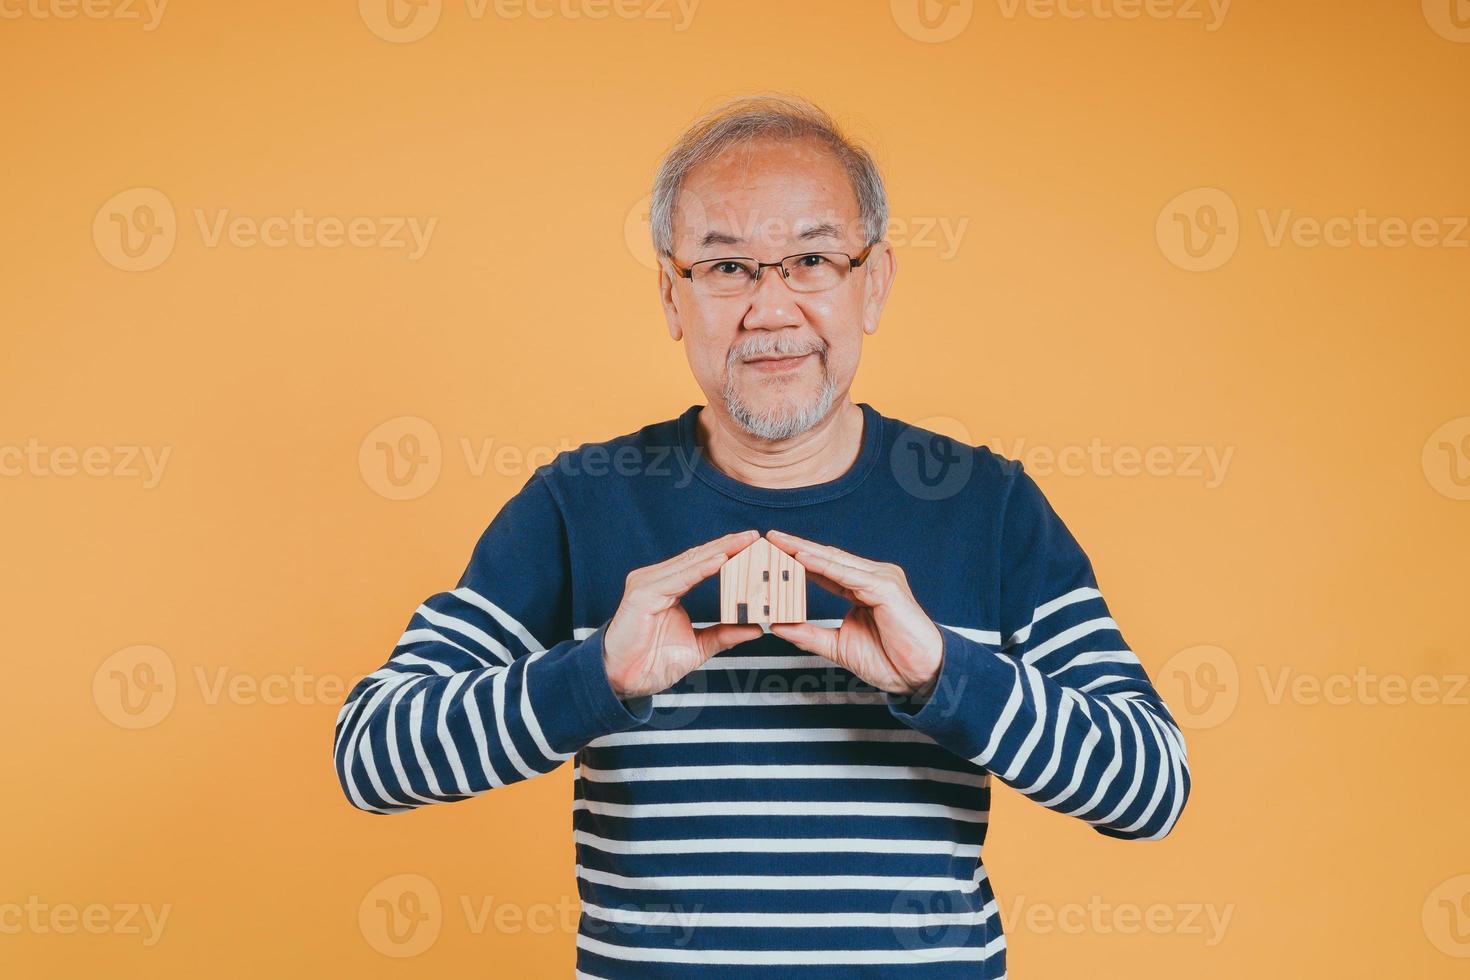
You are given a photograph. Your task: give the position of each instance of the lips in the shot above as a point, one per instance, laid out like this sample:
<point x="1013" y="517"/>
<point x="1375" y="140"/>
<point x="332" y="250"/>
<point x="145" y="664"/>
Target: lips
<point x="780" y="357"/>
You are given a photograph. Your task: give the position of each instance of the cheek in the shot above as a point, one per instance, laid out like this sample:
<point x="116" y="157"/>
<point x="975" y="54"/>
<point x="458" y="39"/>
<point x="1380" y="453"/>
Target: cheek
<point x="832" y="309"/>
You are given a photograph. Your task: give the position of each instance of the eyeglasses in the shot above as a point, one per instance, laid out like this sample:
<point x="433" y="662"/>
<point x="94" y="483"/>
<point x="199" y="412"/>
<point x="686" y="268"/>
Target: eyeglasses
<point x="807" y="272"/>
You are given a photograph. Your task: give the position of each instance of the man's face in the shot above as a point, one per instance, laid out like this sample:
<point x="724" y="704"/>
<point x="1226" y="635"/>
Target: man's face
<point x="767" y="200"/>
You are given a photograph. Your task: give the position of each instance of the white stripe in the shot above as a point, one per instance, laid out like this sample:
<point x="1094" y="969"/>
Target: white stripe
<point x="1033" y="738"/>
<point x="413" y="659"/>
<point x="473" y="714"/>
<point x="1133" y="787"/>
<point x="792" y="920"/>
<point x="501" y="616"/>
<point x="423" y="633"/>
<point x="777" y="845"/>
<point x="782" y="808"/>
<point x="528" y="716"/>
<point x="1066" y="636"/>
<point x="1007" y="714"/>
<point x="353" y="736"/>
<point x="1059" y="745"/>
<point x="1047" y="608"/>
<point x="475" y="633"/>
<point x="1109" y="774"/>
<point x="1085" y="755"/>
<point x="991" y="637"/>
<point x="814" y="957"/>
<point x="393" y="757"/>
<point x="1089" y="657"/>
<point x="1163" y="781"/>
<point x="502" y="732"/>
<point x="841" y="772"/>
<point x="765" y="699"/>
<point x="462" y="785"/>
<point x="415" y="726"/>
<point x="895" y="883"/>
<point x="731" y="735"/>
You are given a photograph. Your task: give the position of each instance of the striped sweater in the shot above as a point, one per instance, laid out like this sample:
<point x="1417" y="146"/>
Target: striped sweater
<point x="771" y="815"/>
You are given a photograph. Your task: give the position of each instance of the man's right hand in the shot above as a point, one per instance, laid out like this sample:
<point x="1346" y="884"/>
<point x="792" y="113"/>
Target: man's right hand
<point x="650" y="643"/>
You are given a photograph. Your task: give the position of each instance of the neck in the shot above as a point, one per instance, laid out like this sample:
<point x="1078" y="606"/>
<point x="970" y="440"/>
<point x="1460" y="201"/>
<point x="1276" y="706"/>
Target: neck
<point x="820" y="454"/>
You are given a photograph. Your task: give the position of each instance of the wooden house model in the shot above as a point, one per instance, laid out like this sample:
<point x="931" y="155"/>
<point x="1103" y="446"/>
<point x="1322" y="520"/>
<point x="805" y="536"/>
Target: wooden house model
<point x="762" y="584"/>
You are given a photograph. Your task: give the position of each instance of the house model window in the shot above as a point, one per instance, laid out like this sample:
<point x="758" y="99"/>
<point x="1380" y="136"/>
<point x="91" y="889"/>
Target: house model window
<point x="762" y="584"/>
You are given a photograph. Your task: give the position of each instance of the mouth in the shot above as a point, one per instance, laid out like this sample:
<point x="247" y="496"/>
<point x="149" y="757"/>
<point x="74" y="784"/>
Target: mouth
<point x="778" y="363"/>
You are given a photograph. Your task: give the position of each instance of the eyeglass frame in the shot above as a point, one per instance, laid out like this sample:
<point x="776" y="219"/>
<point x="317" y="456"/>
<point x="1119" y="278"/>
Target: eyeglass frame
<point x="853" y="262"/>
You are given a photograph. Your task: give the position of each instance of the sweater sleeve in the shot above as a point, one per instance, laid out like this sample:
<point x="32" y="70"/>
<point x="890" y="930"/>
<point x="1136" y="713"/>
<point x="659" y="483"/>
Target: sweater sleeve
<point x="472" y="697"/>
<point x="1055" y="704"/>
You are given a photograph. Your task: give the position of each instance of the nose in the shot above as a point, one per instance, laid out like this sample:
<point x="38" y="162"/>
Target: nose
<point x="773" y="304"/>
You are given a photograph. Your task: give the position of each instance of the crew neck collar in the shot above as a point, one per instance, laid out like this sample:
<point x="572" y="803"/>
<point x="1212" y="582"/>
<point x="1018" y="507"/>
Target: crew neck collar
<point x="699" y="464"/>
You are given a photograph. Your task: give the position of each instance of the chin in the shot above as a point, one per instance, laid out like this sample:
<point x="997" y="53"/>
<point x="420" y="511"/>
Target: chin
<point x="780" y="410"/>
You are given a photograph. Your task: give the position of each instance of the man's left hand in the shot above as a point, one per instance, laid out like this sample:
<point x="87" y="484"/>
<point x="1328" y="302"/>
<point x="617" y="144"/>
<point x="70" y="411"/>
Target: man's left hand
<point x="886" y="638"/>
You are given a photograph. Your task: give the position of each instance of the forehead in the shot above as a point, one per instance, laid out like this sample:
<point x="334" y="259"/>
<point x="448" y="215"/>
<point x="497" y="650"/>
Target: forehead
<point x="766" y="191"/>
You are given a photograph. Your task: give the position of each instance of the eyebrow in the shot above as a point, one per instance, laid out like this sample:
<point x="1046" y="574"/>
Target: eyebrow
<point x="823" y="230"/>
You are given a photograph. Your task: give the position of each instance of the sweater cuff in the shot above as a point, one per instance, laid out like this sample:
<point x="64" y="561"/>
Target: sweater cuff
<point x="968" y="698"/>
<point x="574" y="700"/>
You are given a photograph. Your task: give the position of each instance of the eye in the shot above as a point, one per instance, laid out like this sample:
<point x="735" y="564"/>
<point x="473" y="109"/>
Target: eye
<point x="813" y="260"/>
<point x="729" y="269"/>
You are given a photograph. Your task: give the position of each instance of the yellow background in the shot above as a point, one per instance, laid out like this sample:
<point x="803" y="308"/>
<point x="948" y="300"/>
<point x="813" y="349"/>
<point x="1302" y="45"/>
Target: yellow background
<point x="1332" y="835"/>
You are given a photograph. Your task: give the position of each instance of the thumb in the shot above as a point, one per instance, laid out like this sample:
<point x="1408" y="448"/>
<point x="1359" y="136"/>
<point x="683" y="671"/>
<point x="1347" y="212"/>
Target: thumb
<point x="722" y="636"/>
<point x="812" y="639"/>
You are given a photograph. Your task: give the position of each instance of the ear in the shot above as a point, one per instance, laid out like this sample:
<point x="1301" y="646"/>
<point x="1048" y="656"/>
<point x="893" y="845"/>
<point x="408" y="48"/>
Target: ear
<point x="668" y="299"/>
<point x="882" y="266"/>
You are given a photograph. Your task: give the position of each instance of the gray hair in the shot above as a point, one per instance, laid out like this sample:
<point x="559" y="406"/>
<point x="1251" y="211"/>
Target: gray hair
<point x="743" y="120"/>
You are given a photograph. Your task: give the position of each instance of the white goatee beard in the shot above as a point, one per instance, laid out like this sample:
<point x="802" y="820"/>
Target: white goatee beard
<point x="776" y="426"/>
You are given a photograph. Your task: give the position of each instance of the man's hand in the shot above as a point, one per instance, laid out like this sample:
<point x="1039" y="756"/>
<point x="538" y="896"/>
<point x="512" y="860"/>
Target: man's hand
<point x="885" y="638"/>
<point x="650" y="643"/>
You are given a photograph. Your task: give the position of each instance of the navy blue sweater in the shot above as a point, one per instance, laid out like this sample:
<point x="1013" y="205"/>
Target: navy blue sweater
<point x="771" y="815"/>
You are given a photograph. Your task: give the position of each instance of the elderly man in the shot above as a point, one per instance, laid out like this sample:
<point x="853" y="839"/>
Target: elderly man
<point x="802" y="799"/>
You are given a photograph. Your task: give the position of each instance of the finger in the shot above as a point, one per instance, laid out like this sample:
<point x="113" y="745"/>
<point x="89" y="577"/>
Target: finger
<point x="799" y="547"/>
<point x="681" y="573"/>
<point x="723" y="636"/>
<point x="727" y="544"/>
<point x="809" y="637"/>
<point x="840" y="591"/>
<point x="865" y="587"/>
<point x="832" y="552"/>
